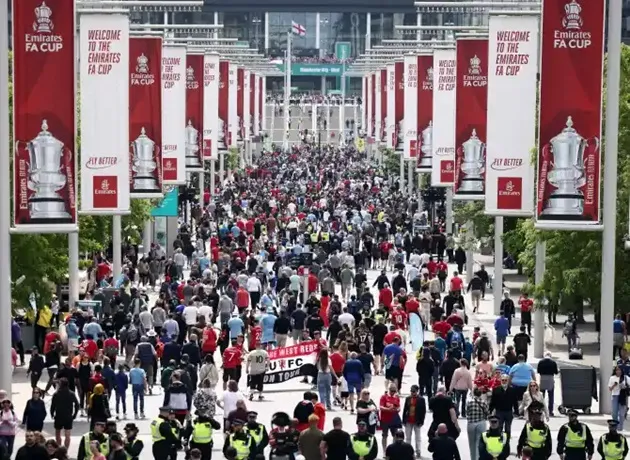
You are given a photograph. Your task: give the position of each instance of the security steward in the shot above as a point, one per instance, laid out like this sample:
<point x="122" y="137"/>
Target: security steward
<point x="199" y="434"/>
<point x="537" y="435"/>
<point x="494" y="443"/>
<point x="98" y="434"/>
<point x="613" y="445"/>
<point x="257" y="431"/>
<point x="165" y="440"/>
<point x="241" y="441"/>
<point x="362" y="445"/>
<point x="132" y="445"/>
<point x="575" y="441"/>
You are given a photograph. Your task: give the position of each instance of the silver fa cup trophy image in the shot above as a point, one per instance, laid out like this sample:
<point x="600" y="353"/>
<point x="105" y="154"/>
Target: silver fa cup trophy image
<point x="473" y="166"/>
<point x="240" y="131"/>
<point x="222" y="144"/>
<point x="399" y="133"/>
<point x="46" y="177"/>
<point x="192" y="147"/>
<point x="566" y="174"/>
<point x="426" y="147"/>
<point x="144" y="164"/>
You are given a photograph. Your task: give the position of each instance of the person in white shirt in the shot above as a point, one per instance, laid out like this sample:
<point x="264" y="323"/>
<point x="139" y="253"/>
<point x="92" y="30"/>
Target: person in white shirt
<point x="415" y="260"/>
<point x="346" y="318"/>
<point x="190" y="315"/>
<point x="254" y="287"/>
<point x="425" y="300"/>
<point x="257" y="364"/>
<point x="206" y="312"/>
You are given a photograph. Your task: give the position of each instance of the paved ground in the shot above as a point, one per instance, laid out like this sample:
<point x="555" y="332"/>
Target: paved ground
<point x="283" y="397"/>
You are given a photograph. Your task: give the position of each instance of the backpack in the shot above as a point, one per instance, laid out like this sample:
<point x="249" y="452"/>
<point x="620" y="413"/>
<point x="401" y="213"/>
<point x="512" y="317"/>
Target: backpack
<point x="111" y="350"/>
<point x="457" y="337"/>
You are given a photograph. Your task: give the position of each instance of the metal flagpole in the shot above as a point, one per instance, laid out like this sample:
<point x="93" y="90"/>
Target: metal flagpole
<point x="5" y="210"/>
<point x="287" y="93"/>
<point x="607" y="306"/>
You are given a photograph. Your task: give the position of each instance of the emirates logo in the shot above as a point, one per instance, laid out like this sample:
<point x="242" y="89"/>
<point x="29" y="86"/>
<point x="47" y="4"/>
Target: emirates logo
<point x="509" y="187"/>
<point x="168" y="164"/>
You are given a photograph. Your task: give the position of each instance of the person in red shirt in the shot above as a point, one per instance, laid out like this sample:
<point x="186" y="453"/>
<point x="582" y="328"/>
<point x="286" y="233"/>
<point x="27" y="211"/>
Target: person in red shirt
<point x="432" y="267"/>
<point x="389" y="406"/>
<point x="232" y="360"/>
<point x="527" y="305"/>
<point x="215" y="253"/>
<point x="313" y="282"/>
<point x="49" y="339"/>
<point x="90" y="348"/>
<point x="319" y="410"/>
<point x="412" y="305"/>
<point x="111" y="347"/>
<point x="391" y="335"/>
<point x="399" y="318"/>
<point x="442" y="274"/>
<point x="386" y="296"/>
<point x="242" y="299"/>
<point x="456" y="283"/>
<point x="455" y="320"/>
<point x="255" y="334"/>
<point x="209" y="340"/>
<point x="441" y="327"/>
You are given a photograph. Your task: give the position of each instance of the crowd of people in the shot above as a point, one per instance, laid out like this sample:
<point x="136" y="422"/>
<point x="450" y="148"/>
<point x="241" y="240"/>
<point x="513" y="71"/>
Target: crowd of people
<point x="282" y="256"/>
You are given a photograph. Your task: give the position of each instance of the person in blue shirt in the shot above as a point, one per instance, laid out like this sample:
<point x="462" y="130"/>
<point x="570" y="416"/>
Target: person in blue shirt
<point x="138" y="381"/>
<point x="204" y="263"/>
<point x="122" y="383"/>
<point x="235" y="231"/>
<point x="440" y="345"/>
<point x="267" y="322"/>
<point x="619" y="335"/>
<point x="236" y="326"/>
<point x="391" y="357"/>
<point x="354" y="374"/>
<point x="502" y="328"/>
<point x="468" y="349"/>
<point x="520" y="375"/>
<point x="503" y="368"/>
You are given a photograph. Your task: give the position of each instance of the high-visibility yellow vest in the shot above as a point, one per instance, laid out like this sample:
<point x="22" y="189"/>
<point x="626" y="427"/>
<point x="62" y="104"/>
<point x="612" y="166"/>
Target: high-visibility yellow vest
<point x="362" y="448"/>
<point x="494" y="444"/>
<point x="241" y="447"/>
<point x="314" y="238"/>
<point x="103" y="447"/>
<point x="614" y="450"/>
<point x="45" y="315"/>
<point x="202" y="433"/>
<point x="257" y="434"/>
<point x="129" y="456"/>
<point x="535" y="438"/>
<point x="156" y="436"/>
<point x="325" y="236"/>
<point x="574" y="440"/>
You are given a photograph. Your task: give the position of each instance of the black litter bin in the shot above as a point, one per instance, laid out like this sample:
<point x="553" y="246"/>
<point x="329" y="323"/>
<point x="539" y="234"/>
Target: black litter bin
<point x="578" y="385"/>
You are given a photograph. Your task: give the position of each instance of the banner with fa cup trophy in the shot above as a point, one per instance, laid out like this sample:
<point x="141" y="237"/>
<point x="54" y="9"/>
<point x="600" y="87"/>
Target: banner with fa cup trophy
<point x="443" y="148"/>
<point x="211" y="106"/>
<point x="399" y="107"/>
<point x="424" y="114"/>
<point x="378" y="106"/>
<point x="145" y="117"/>
<point x="364" y="92"/>
<point x="512" y="82"/>
<point x="570" y="118"/>
<point x="246" y="119"/>
<point x="194" y="112"/>
<point x="262" y="97"/>
<point x="369" y="106"/>
<point x="234" y="119"/>
<point x="225" y="136"/>
<point x="390" y="107"/>
<point x="240" y="102"/>
<point x="256" y="103"/>
<point x="104" y="74"/>
<point x="174" y="114"/>
<point x="411" y="106"/>
<point x="470" y="119"/>
<point x="44" y="162"/>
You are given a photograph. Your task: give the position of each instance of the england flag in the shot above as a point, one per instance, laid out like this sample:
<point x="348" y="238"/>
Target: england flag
<point x="298" y="29"/>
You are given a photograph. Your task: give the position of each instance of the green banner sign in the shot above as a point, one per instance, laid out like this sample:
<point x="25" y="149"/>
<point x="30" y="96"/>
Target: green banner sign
<point x="168" y="206"/>
<point x="342" y="50"/>
<point x="307" y="70"/>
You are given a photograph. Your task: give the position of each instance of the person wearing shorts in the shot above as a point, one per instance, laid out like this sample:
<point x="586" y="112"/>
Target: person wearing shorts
<point x="64" y="408"/>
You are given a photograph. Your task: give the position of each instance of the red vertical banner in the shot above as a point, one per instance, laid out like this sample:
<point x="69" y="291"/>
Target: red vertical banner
<point x="240" y="84"/>
<point x="383" y="105"/>
<point x="224" y="98"/>
<point x="471" y="102"/>
<point x="570" y="118"/>
<point x="399" y="104"/>
<point x="145" y="117"/>
<point x="194" y="112"/>
<point x="425" y="113"/>
<point x="44" y="73"/>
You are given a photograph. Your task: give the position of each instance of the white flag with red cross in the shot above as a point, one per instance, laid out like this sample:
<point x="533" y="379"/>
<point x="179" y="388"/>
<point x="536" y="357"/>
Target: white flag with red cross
<point x="298" y="29"/>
